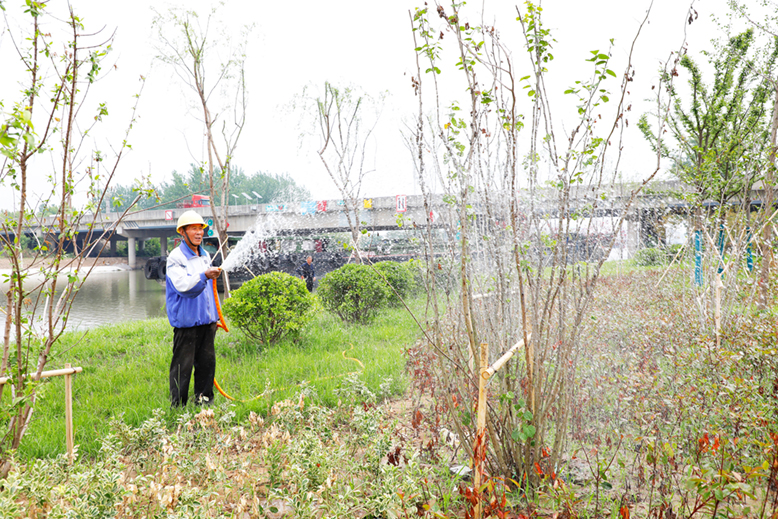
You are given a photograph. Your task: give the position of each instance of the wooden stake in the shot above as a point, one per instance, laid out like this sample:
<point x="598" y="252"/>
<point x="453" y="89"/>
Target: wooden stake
<point x="68" y="372"/>
<point x="494" y="368"/>
<point x="479" y="449"/>
<point x="69" y="413"/>
<point x="46" y="374"/>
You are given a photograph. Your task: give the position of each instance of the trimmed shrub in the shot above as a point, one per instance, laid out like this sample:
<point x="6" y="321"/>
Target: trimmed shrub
<point x="650" y="257"/>
<point x="399" y="277"/>
<point x="416" y="269"/>
<point x="354" y="292"/>
<point x="270" y="307"/>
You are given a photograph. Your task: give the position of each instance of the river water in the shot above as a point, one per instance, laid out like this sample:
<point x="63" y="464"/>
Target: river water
<point x="111" y="296"/>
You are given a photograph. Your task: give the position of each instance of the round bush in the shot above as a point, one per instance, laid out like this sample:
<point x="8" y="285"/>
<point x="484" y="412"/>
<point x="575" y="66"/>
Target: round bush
<point x="270" y="307"/>
<point x="354" y="292"/>
<point x="399" y="277"/>
<point x="650" y="257"/>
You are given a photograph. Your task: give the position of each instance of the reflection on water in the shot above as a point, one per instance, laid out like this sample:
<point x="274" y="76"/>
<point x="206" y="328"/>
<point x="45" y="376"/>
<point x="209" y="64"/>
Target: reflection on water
<point x="116" y="296"/>
<point x="111" y="297"/>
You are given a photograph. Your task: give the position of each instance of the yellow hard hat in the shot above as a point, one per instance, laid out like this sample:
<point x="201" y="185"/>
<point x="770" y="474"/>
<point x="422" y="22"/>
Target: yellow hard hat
<point x="190" y="218"/>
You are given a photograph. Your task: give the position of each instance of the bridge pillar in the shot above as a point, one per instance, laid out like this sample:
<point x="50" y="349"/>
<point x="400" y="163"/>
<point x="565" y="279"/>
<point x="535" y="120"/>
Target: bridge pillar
<point x="113" y="246"/>
<point x="163" y="245"/>
<point x="133" y="288"/>
<point x="131" y="252"/>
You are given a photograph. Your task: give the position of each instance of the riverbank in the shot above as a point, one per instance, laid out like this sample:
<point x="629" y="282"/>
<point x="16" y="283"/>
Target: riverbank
<point x="126" y="366"/>
<point x="325" y="407"/>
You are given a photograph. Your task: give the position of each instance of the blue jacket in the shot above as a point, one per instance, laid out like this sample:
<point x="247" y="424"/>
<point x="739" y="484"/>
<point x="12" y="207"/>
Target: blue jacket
<point x="188" y="293"/>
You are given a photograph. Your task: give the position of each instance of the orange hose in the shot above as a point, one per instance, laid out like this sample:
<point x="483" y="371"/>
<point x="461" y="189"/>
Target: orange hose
<point x="221" y="324"/>
<point x="219" y="388"/>
<point x="343" y="353"/>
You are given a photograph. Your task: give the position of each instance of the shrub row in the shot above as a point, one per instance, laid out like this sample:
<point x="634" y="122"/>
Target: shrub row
<point x="654" y="256"/>
<point x="275" y="306"/>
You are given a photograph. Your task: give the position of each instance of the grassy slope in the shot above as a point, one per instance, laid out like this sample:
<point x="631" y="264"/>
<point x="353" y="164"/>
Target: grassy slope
<point x="126" y="372"/>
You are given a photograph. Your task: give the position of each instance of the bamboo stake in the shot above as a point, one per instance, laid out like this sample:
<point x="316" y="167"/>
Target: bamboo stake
<point x="479" y="449"/>
<point x="69" y="413"/>
<point x="68" y="372"/>
<point x="46" y="374"/>
<point x="494" y="368"/>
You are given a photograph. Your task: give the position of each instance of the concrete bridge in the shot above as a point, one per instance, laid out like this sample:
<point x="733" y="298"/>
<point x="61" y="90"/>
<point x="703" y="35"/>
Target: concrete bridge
<point x="328" y="216"/>
<point x="292" y="218"/>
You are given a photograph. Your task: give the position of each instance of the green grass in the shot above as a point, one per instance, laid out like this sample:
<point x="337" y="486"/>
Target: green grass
<point x="126" y="372"/>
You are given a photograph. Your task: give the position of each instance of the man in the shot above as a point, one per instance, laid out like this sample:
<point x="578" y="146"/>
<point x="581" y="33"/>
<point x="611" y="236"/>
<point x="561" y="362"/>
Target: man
<point x="306" y="272"/>
<point x="191" y="312"/>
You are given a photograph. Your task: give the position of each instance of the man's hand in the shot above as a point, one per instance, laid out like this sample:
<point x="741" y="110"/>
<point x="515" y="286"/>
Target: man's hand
<point x="213" y="272"/>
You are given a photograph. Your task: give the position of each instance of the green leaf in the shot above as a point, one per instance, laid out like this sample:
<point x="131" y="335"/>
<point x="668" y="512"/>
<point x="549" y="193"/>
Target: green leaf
<point x="516" y="435"/>
<point x="6" y="141"/>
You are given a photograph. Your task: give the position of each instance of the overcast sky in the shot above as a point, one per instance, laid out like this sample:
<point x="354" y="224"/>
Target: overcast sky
<point x="347" y="42"/>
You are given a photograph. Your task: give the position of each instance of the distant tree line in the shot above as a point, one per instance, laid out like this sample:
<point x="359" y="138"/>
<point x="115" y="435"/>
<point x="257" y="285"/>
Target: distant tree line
<point x="272" y="188"/>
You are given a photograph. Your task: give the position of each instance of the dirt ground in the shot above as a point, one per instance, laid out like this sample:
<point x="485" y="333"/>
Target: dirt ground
<point x="5" y="263"/>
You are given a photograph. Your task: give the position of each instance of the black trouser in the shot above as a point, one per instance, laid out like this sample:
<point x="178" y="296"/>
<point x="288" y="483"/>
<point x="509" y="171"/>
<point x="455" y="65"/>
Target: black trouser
<point x="192" y="347"/>
<point x="309" y="283"/>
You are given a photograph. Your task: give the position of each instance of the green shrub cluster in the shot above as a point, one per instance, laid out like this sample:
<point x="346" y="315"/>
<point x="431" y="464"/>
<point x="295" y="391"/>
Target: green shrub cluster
<point x="400" y="277"/>
<point x="354" y="292"/>
<point x="270" y="307"/>
<point x="650" y="257"/>
<point x="674" y="250"/>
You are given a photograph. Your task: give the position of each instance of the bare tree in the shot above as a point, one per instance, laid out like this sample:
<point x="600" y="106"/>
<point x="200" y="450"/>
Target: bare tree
<point x="213" y="66"/>
<point x="529" y="245"/>
<point x="64" y="61"/>
<point x="346" y="138"/>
